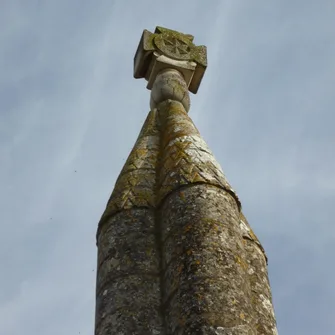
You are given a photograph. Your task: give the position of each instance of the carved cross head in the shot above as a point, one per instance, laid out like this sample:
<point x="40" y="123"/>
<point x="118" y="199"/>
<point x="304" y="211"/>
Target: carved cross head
<point x="169" y="49"/>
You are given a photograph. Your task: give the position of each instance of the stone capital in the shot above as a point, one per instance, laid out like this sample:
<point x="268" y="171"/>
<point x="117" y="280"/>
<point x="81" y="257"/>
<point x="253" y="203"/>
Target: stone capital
<point x="168" y="49"/>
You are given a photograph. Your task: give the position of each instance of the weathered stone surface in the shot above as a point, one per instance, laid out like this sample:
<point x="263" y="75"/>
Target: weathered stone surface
<point x="261" y="297"/>
<point x="185" y="156"/>
<point x="130" y="306"/>
<point x="122" y="228"/>
<point x="129" y="254"/>
<point x="136" y="184"/>
<point x="128" y="281"/>
<point x="205" y="275"/>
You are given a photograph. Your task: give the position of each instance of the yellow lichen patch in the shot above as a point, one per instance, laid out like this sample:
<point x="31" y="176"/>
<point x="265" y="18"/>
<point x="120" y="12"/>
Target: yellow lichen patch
<point x="142" y="152"/>
<point x="132" y="189"/>
<point x="187" y="228"/>
<point x="135" y="185"/>
<point x="259" y="326"/>
<point x="186" y="158"/>
<point x="214" y="224"/>
<point x="242" y="316"/>
<point x="254" y="300"/>
<point x="143" y="156"/>
<point x="150" y="126"/>
<point x="149" y="252"/>
<point x="252" y="234"/>
<point x="241" y="262"/>
<point x="196" y="53"/>
<point x="200" y="296"/>
<point x="175" y="122"/>
<point x="180" y="148"/>
<point x="171" y="137"/>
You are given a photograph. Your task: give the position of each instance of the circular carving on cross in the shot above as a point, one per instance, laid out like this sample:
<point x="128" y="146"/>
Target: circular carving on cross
<point x="175" y="47"/>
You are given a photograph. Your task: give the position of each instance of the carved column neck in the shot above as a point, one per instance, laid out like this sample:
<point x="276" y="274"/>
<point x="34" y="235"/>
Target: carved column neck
<point x="169" y="84"/>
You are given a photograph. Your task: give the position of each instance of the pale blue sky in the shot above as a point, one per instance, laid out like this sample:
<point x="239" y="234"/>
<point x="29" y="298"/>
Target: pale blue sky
<point x="70" y="112"/>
